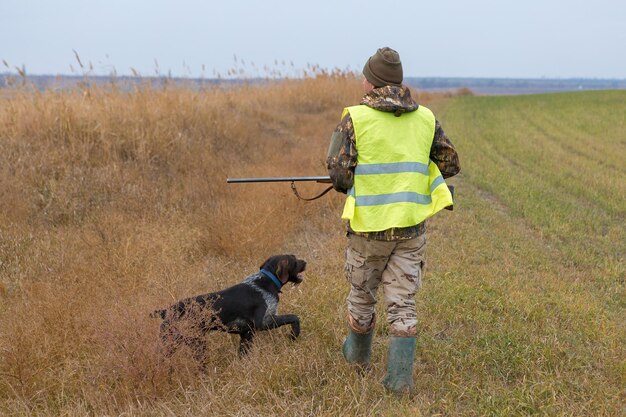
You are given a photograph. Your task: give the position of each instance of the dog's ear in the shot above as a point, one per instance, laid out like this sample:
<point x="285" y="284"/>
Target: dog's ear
<point x="282" y="270"/>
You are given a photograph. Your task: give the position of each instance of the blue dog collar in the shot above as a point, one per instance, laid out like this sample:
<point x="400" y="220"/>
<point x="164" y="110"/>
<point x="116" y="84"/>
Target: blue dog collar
<point x="272" y="277"/>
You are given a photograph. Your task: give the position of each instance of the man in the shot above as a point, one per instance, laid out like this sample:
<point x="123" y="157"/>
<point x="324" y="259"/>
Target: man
<point x="388" y="155"/>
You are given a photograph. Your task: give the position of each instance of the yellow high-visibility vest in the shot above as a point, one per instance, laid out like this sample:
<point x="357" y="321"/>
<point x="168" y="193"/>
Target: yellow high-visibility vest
<point x="395" y="182"/>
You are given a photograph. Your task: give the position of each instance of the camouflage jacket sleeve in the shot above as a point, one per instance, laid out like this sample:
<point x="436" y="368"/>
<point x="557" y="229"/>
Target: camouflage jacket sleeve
<point x="341" y="159"/>
<point x="442" y="153"/>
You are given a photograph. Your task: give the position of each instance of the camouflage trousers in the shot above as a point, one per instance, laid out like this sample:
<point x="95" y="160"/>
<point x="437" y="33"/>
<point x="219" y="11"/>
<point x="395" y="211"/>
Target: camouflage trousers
<point x="399" y="266"/>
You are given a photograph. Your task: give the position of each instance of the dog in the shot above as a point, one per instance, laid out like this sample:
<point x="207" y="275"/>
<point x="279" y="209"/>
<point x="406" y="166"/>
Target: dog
<point x="242" y="309"/>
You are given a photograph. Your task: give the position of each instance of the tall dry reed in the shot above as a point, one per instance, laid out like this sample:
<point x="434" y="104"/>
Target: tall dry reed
<point x="114" y="203"/>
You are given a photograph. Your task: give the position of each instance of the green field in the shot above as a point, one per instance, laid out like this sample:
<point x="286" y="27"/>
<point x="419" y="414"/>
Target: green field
<point x="525" y="304"/>
<point x="113" y="204"/>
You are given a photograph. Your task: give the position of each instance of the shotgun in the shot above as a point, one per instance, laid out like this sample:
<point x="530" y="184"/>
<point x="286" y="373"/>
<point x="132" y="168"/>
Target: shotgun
<point x="292" y="180"/>
<point x="321" y="179"/>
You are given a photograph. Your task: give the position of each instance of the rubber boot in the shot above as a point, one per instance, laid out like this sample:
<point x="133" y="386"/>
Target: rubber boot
<point x="399" y="378"/>
<point x="357" y="348"/>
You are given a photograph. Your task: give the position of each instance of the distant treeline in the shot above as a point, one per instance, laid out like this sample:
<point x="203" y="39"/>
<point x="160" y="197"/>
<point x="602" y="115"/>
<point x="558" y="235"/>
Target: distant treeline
<point x="69" y="81"/>
<point x="477" y="85"/>
<point x="516" y="85"/>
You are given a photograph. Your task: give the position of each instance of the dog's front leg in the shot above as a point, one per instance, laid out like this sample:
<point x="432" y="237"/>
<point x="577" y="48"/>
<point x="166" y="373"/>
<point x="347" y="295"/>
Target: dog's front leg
<point x="277" y="321"/>
<point x="247" y="337"/>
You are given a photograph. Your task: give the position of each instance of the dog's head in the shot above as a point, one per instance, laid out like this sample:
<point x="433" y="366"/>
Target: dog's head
<point x="287" y="268"/>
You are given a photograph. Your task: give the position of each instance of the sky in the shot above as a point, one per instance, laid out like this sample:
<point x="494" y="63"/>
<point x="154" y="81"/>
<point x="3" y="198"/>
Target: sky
<point x="195" y="38"/>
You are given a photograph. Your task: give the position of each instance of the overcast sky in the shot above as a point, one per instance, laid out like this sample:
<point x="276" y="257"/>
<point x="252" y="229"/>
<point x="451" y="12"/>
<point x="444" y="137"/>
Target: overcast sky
<point x="438" y="38"/>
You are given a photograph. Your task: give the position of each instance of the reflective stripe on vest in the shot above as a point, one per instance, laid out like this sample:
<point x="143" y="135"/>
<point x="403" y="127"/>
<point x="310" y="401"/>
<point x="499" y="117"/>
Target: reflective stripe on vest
<point x="395" y="183"/>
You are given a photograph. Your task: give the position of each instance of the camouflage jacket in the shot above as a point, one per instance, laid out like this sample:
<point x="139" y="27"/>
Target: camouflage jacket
<point x="342" y="153"/>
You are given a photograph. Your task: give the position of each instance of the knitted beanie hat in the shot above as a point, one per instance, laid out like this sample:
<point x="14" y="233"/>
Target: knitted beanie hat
<point x="384" y="68"/>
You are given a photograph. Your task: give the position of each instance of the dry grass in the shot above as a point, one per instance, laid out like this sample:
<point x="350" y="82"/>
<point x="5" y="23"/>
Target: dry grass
<point x="114" y="203"/>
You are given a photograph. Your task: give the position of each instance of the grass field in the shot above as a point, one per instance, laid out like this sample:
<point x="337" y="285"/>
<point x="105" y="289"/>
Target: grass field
<point x="114" y="203"/>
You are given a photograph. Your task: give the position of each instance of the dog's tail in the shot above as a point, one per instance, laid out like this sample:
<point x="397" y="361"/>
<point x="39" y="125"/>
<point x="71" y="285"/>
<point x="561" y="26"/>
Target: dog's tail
<point x="158" y="313"/>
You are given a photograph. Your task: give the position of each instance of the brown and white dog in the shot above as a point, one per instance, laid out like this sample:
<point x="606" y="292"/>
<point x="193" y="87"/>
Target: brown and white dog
<point x="242" y="309"/>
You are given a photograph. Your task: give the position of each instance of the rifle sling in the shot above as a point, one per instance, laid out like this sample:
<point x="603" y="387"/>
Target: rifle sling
<point x="295" y="191"/>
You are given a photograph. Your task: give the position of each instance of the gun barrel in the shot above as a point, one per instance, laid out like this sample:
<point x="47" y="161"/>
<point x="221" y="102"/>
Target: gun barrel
<point x="322" y="179"/>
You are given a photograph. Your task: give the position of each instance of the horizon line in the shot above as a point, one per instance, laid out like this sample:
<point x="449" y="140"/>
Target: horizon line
<point x="219" y="78"/>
